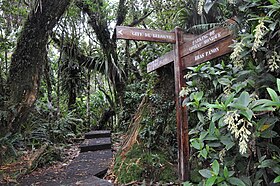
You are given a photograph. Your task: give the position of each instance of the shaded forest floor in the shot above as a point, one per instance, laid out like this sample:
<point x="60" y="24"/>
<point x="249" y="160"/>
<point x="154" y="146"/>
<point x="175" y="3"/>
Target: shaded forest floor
<point x="25" y="169"/>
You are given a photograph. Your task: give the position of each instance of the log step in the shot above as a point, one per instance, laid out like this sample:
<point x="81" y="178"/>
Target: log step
<point x="95" y="144"/>
<point x="98" y="134"/>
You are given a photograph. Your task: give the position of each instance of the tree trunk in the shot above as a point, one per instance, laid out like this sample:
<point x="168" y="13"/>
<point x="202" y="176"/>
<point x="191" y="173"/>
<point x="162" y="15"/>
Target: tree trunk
<point x="72" y="92"/>
<point x="49" y="87"/>
<point x="1" y="88"/>
<point x="28" y="59"/>
<point x="88" y="96"/>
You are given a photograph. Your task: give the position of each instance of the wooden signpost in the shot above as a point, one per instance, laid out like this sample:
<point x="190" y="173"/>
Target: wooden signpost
<point x="188" y="51"/>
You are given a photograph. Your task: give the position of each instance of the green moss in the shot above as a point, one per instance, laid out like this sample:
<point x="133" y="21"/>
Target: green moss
<point x="141" y="164"/>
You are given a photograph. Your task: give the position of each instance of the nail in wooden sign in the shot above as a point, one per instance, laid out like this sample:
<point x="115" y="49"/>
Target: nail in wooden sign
<point x="131" y="33"/>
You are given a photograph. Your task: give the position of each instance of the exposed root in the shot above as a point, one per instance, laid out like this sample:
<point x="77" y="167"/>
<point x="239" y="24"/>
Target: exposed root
<point x="135" y="128"/>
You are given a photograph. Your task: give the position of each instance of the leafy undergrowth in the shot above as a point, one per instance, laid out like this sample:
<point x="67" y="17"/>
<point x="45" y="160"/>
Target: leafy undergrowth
<point x="141" y="164"/>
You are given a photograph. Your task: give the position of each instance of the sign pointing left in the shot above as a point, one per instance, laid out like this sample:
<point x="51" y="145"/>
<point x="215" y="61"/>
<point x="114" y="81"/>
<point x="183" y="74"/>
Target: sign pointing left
<point x="131" y="33"/>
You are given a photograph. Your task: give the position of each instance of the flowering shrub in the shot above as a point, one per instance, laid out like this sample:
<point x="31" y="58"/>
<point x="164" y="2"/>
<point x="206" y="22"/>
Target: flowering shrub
<point x="234" y="105"/>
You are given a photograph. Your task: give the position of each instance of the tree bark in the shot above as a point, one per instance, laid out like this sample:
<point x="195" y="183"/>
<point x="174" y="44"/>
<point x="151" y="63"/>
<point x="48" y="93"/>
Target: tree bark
<point x="28" y="59"/>
<point x="49" y="87"/>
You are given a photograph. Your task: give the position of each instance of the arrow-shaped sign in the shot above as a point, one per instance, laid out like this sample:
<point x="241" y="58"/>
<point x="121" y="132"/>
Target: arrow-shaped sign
<point x="131" y="33"/>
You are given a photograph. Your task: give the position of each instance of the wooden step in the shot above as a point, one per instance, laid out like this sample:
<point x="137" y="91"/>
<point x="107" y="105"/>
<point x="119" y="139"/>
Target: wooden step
<point x="83" y="170"/>
<point x="95" y="144"/>
<point x="98" y="134"/>
<point x="90" y="164"/>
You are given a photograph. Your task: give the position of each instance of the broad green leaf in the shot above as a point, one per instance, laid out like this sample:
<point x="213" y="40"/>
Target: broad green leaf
<point x="205" y="173"/>
<point x="247" y="113"/>
<point x="226" y="172"/>
<point x="198" y="96"/>
<point x="200" y="117"/>
<point x="210" y="138"/>
<point x="221" y="180"/>
<point x="239" y="86"/>
<point x="227" y="141"/>
<point x="273" y="94"/>
<point x="262" y="108"/>
<point x="277" y="179"/>
<point x="217" y="106"/>
<point x="276" y="169"/>
<point x="214" y="144"/>
<point x="216" y="168"/>
<point x="224" y="81"/>
<point x="230" y="173"/>
<point x="246" y="180"/>
<point x="269" y="134"/>
<point x="211" y="181"/>
<point x="203" y="135"/>
<point x="273" y="103"/>
<point x="229" y="99"/>
<point x="217" y="116"/>
<point x="236" y="181"/>
<point x="267" y="163"/>
<point x="238" y="106"/>
<point x="212" y="127"/>
<point x="203" y="153"/>
<point x="244" y="99"/>
<point x="195" y="143"/>
<point x="273" y="148"/>
<point x="259" y="102"/>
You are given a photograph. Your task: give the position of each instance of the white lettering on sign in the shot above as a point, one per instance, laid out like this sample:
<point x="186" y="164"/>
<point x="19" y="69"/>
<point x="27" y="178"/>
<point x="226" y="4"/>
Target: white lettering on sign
<point x="162" y="36"/>
<point x="207" y="53"/>
<point x="158" y="36"/>
<point x="136" y="34"/>
<point x="204" y="40"/>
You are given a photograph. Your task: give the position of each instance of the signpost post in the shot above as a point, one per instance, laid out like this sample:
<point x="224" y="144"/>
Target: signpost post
<point x="194" y="51"/>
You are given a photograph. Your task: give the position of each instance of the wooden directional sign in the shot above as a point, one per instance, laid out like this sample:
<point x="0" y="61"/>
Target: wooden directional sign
<point x="124" y="32"/>
<point x="209" y="52"/>
<point x="215" y="35"/>
<point x="187" y="52"/>
<point x="159" y="62"/>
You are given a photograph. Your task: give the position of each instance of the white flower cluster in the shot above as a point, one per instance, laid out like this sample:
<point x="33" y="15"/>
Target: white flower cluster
<point x="185" y="92"/>
<point x="231" y="1"/>
<point x="259" y="33"/>
<point x="209" y="113"/>
<point x="227" y="90"/>
<point x="232" y="119"/>
<point x="200" y="6"/>
<point x="188" y="75"/>
<point x="273" y="62"/>
<point x="222" y="154"/>
<point x="236" y="55"/>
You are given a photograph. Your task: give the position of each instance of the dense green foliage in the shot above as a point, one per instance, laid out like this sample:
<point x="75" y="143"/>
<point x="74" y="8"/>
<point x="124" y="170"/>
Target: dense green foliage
<point x="91" y="80"/>
<point x="234" y="105"/>
<point x="140" y="163"/>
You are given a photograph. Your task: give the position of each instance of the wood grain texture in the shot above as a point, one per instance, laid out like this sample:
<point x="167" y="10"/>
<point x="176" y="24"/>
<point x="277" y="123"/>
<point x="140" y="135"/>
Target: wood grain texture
<point x="131" y="33"/>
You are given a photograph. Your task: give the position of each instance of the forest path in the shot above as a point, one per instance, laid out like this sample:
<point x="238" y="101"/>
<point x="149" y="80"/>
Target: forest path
<point x="92" y="162"/>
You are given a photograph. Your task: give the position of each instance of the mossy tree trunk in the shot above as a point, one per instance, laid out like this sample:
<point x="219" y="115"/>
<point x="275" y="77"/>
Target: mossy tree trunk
<point x="155" y="110"/>
<point x="28" y="60"/>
